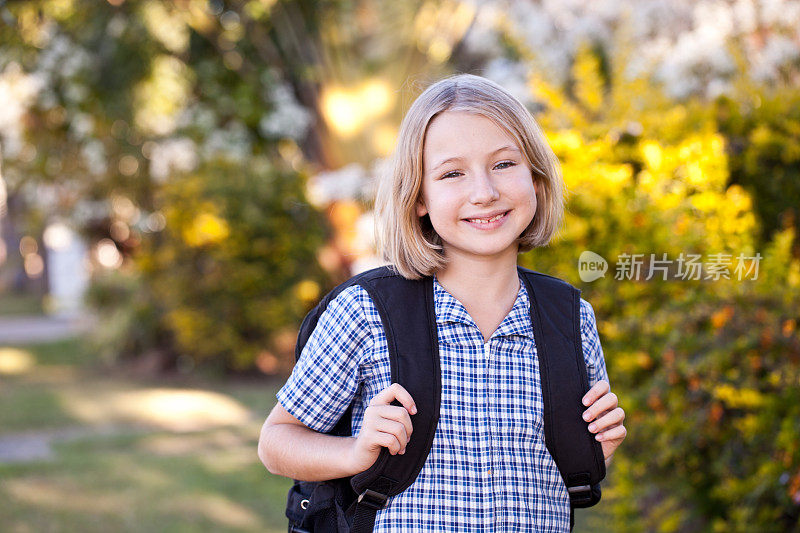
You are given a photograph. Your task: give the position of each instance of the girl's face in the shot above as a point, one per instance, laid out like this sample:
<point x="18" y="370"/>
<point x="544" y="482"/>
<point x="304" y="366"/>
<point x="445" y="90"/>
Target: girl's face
<point x="483" y="198"/>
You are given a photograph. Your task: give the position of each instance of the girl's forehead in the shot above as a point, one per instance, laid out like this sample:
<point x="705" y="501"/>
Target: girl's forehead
<point x="455" y="133"/>
<point x="463" y="117"/>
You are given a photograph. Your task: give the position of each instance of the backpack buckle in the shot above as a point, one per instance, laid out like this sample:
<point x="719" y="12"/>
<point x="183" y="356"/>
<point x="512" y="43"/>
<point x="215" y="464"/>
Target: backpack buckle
<point x="372" y="500"/>
<point x="580" y="494"/>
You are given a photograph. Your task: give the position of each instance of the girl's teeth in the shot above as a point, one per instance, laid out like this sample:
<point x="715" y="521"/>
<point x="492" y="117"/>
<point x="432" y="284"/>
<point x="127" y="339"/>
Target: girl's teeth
<point x="486" y="221"/>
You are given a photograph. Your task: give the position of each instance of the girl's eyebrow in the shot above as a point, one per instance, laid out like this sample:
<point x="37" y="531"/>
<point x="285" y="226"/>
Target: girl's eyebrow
<point x="507" y="147"/>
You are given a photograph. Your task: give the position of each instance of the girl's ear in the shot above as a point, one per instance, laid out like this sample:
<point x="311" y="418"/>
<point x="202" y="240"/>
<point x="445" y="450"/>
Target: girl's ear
<point x="421" y="209"/>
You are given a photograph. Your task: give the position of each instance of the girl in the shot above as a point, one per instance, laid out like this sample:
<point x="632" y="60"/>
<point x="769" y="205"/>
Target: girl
<point x="473" y="184"/>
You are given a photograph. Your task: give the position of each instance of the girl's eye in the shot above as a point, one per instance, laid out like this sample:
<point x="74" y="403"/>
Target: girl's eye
<point x="453" y="173"/>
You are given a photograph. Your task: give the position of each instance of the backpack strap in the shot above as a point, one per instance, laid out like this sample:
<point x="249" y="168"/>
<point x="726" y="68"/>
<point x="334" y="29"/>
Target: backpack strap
<point x="555" y="316"/>
<point x="407" y="311"/>
<point x="343" y="425"/>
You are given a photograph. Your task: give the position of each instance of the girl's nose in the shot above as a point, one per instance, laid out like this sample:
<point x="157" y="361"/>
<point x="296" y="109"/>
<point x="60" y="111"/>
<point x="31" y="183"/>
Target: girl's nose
<point x="483" y="189"/>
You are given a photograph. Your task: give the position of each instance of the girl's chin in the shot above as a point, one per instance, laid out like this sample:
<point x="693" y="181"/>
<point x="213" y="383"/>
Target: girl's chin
<point x="482" y="253"/>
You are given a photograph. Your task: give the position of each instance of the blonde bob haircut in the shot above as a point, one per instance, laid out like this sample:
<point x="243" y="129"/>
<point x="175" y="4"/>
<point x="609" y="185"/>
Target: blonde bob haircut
<point x="409" y="242"/>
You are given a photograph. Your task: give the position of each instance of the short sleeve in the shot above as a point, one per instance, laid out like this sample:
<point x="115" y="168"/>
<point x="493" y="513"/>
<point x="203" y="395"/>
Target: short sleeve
<point x="327" y="375"/>
<point x="592" y="351"/>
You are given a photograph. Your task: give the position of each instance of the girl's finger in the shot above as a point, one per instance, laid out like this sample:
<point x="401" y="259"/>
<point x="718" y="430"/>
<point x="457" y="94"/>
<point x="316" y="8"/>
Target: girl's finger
<point x="608" y="420"/>
<point x="599" y="389"/>
<point x="615" y="433"/>
<point x="395" y="391"/>
<point x="395" y="428"/>
<point x="388" y="440"/>
<point x="606" y="403"/>
<point x="393" y="413"/>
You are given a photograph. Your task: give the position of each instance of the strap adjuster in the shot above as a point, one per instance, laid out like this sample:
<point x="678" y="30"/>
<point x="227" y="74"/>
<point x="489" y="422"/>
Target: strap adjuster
<point x="372" y="500"/>
<point x="580" y="494"/>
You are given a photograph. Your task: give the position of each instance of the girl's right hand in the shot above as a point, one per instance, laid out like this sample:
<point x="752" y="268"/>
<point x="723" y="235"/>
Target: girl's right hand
<point x="385" y="425"/>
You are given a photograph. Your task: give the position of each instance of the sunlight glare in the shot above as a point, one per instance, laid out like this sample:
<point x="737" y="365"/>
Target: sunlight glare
<point x="14" y="361"/>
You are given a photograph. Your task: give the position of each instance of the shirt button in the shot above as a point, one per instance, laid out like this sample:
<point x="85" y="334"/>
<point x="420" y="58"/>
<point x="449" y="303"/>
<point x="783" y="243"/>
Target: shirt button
<point x="489" y="472"/>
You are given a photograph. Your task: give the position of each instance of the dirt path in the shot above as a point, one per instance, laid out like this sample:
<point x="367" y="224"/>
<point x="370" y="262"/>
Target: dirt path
<point x="37" y="328"/>
<point x="26" y="446"/>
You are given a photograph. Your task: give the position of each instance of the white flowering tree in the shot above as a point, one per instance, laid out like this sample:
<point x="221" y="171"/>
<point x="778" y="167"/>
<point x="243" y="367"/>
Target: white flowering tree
<point x="168" y="134"/>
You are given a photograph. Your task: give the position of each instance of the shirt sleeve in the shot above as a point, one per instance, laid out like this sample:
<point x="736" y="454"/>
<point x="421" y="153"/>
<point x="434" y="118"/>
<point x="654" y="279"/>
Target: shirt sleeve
<point x="327" y="375"/>
<point x="592" y="350"/>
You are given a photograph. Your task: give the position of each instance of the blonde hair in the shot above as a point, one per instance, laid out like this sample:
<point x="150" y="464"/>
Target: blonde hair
<point x="409" y="242"/>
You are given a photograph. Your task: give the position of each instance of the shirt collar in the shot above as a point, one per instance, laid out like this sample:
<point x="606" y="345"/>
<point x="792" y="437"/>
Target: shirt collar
<point x="450" y="310"/>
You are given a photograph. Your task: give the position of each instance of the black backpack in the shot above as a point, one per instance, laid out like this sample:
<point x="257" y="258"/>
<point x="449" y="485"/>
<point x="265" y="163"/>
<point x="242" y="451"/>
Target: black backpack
<point x="406" y="308"/>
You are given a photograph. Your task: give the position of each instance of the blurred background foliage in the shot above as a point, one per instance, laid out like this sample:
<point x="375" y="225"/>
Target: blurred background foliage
<point x="707" y="369"/>
<point x="205" y="150"/>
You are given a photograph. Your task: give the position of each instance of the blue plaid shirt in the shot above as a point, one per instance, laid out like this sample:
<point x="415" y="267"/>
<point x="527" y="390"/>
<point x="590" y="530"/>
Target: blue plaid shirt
<point x="488" y="468"/>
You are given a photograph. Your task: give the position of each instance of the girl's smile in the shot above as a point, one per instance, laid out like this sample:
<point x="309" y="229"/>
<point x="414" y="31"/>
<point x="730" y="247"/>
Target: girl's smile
<point x="486" y="222"/>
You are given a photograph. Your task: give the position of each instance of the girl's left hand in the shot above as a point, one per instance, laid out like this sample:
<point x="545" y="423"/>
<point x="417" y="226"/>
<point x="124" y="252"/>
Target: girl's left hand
<point x="604" y="417"/>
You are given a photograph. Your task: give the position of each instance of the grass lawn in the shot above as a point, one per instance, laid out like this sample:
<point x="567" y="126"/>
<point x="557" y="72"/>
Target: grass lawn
<point x="139" y="454"/>
<point x="132" y="455"/>
<point x="19" y="304"/>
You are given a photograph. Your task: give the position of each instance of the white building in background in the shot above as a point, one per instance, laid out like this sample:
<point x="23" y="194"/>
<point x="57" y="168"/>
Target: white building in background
<point x="68" y="275"/>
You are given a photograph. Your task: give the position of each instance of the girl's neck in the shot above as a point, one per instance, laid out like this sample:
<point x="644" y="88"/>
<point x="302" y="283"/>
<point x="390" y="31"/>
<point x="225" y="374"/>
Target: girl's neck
<point x="472" y="279"/>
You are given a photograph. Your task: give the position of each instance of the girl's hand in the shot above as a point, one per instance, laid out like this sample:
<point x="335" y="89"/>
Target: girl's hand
<point x="385" y="425"/>
<point x="604" y="417"/>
